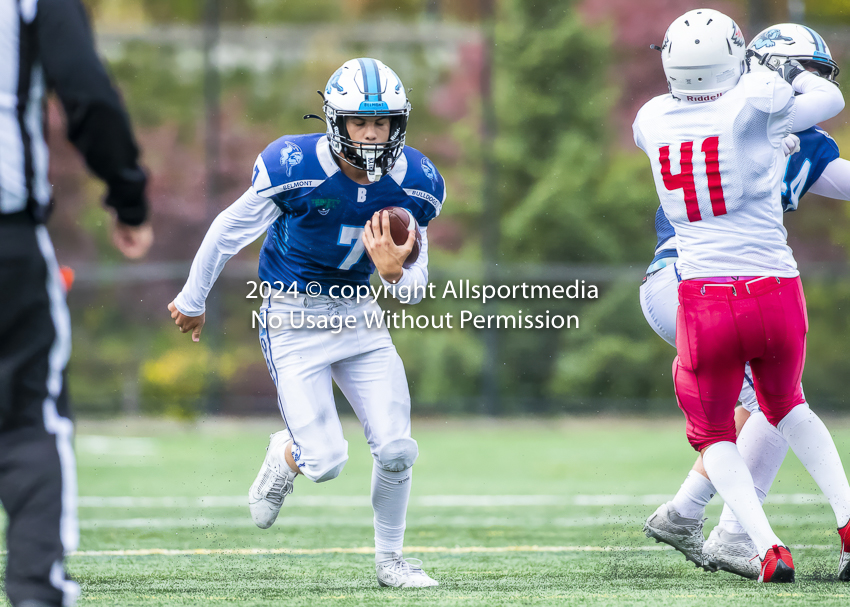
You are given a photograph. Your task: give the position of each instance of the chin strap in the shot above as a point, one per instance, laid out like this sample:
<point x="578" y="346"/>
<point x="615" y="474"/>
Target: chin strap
<point x="762" y="59"/>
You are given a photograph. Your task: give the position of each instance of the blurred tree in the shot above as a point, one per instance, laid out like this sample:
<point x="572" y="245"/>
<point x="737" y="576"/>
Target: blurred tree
<point x="192" y="11"/>
<point x="297" y="11"/>
<point x="832" y="12"/>
<point x="366" y="9"/>
<point x="567" y="196"/>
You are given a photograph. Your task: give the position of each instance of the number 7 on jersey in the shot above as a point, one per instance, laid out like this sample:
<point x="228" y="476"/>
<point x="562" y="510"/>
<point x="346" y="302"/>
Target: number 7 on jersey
<point x="684" y="180"/>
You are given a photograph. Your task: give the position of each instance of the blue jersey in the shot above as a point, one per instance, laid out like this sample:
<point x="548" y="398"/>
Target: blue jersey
<point x="817" y="150"/>
<point x="319" y="234"/>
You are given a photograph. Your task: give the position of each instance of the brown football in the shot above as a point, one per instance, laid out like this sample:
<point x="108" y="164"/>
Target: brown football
<point x="402" y="220"/>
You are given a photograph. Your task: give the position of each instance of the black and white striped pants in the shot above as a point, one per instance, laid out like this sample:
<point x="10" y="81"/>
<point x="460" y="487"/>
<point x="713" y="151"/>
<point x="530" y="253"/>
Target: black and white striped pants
<point x="38" y="486"/>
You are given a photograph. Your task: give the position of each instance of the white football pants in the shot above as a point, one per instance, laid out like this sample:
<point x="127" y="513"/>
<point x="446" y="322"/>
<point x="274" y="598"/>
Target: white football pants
<point x="363" y="363"/>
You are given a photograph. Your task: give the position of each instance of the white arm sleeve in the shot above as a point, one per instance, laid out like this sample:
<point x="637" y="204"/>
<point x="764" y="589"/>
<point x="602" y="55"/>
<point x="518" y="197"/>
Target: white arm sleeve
<point x="817" y="100"/>
<point x="834" y="182"/>
<point x="414" y="277"/>
<point x="237" y="226"/>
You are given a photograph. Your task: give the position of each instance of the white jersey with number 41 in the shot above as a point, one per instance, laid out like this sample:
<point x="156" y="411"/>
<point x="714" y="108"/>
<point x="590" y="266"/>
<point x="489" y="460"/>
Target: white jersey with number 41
<point x="718" y="168"/>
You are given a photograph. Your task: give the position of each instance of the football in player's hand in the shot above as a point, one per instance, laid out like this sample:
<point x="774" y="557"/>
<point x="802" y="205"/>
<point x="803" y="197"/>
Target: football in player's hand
<point x="402" y="221"/>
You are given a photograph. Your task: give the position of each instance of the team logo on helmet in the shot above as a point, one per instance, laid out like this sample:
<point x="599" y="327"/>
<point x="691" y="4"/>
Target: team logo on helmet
<point x="290" y="156"/>
<point x="333" y="83"/>
<point x="430" y="171"/>
<point x="768" y="39"/>
<point x="738" y="36"/>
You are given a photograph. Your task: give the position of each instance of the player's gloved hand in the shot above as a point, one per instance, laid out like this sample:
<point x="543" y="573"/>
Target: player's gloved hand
<point x="791" y="144"/>
<point x="387" y="256"/>
<point x="790" y="70"/>
<point x="187" y="323"/>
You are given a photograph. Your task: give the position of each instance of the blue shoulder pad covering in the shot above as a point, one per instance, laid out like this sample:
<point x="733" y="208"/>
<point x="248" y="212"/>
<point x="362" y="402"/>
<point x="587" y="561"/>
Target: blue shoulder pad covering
<point x="423" y="183"/>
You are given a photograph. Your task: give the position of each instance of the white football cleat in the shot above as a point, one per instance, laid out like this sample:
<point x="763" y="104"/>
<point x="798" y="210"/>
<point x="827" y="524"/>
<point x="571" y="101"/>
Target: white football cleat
<point x="401" y="573"/>
<point x="732" y="552"/>
<point x="684" y="534"/>
<point x="273" y="483"/>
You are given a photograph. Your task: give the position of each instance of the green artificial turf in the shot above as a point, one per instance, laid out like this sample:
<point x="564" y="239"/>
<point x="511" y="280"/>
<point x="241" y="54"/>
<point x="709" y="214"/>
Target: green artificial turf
<point x="594" y="482"/>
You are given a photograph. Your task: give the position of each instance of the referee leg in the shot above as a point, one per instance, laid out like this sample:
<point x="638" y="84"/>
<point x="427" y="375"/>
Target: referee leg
<point x="37" y="470"/>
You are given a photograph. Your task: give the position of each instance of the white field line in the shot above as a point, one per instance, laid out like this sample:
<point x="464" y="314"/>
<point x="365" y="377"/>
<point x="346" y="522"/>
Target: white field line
<point x="358" y="521"/>
<point x="427" y="501"/>
<point x="369" y="550"/>
<point x="469" y="522"/>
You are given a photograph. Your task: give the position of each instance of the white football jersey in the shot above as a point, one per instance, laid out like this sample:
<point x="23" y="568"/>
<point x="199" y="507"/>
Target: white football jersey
<point x="718" y="168"/>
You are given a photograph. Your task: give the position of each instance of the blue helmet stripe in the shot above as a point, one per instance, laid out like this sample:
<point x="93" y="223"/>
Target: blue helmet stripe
<point x="820" y="45"/>
<point x="371" y="79"/>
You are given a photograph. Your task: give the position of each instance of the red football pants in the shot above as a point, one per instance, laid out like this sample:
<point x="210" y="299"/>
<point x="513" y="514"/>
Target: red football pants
<point x="719" y="327"/>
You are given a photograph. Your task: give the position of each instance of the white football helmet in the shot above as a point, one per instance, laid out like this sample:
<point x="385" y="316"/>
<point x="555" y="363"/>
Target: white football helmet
<point x="366" y="87"/>
<point x="703" y="55"/>
<point x="779" y="43"/>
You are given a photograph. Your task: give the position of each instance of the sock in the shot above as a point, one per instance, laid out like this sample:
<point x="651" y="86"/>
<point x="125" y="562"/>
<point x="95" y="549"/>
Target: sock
<point x="280" y="453"/>
<point x="729" y="474"/>
<point x="390" y="494"/>
<point x="763" y="448"/>
<point x="813" y="445"/>
<point x="693" y="495"/>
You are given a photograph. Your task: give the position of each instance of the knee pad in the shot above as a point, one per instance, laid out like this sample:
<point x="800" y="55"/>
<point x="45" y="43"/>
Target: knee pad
<point x="398" y="455"/>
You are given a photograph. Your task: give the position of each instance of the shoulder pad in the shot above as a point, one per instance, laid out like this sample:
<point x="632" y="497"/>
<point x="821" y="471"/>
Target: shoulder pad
<point x="420" y="179"/>
<point x="289" y="163"/>
<point x="766" y="91"/>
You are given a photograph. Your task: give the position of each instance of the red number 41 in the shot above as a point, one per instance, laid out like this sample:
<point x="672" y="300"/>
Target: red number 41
<point x="685" y="179"/>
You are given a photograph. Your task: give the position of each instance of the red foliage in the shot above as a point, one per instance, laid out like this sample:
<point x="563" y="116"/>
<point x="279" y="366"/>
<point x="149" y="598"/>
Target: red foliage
<point x="634" y="26"/>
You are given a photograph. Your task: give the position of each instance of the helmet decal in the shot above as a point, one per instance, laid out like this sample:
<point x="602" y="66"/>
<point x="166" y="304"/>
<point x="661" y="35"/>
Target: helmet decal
<point x="819" y="43"/>
<point x="371" y="79"/>
<point x="768" y="39"/>
<point x="738" y="36"/>
<point x="372" y="87"/>
<point x="290" y="156"/>
<point x="397" y="80"/>
<point x="333" y="83"/>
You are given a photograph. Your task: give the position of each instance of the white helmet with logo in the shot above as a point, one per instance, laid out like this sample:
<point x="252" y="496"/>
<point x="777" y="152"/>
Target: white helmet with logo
<point x="779" y="43"/>
<point x="366" y="87"/>
<point x="703" y="55"/>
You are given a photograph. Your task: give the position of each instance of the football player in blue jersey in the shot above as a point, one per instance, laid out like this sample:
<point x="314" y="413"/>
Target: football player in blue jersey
<point x="317" y="197"/>
<point x="813" y="165"/>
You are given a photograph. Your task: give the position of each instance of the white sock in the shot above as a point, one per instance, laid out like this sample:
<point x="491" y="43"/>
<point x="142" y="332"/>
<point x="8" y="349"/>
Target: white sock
<point x="763" y="448"/>
<point x="729" y="474"/>
<point x="693" y="495"/>
<point x="813" y="445"/>
<point x="390" y="494"/>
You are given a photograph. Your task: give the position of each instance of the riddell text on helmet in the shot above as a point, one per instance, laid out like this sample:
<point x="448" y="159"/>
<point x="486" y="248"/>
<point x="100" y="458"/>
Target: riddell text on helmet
<point x="703" y="97"/>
